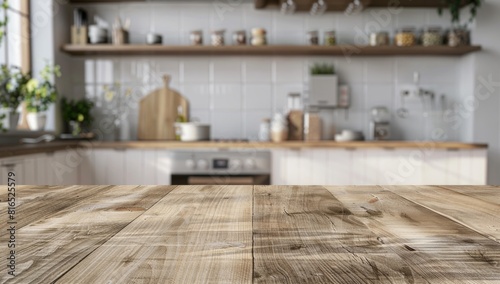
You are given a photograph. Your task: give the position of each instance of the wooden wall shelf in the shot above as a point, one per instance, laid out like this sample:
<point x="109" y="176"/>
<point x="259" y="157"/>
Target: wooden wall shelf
<point x="341" y="5"/>
<point x="269" y="50"/>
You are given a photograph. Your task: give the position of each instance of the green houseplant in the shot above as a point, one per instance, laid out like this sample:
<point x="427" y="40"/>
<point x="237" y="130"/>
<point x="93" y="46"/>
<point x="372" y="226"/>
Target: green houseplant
<point x="76" y="115"/>
<point x="40" y="95"/>
<point x="323" y="85"/>
<point x="459" y="34"/>
<point x="12" y="91"/>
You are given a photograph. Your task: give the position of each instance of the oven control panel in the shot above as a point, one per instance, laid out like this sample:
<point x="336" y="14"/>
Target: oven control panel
<point x="220" y="161"/>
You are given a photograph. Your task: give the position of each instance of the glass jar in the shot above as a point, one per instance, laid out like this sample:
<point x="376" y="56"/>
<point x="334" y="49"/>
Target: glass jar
<point x="312" y="125"/>
<point x="196" y="37"/>
<point x="330" y="38"/>
<point x="313" y="37"/>
<point x="405" y="37"/>
<point x="265" y="130"/>
<point x="259" y="36"/>
<point x="218" y="38"/>
<point x="432" y="36"/>
<point x="458" y="37"/>
<point x="240" y="38"/>
<point x="379" y="39"/>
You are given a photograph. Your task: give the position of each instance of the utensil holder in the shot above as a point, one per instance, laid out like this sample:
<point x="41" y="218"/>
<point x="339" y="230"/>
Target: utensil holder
<point x="120" y="36"/>
<point x="79" y="35"/>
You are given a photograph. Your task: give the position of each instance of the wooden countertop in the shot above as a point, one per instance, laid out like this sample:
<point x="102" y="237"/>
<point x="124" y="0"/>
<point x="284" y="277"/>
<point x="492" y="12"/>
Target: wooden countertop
<point x="8" y="151"/>
<point x="261" y="234"/>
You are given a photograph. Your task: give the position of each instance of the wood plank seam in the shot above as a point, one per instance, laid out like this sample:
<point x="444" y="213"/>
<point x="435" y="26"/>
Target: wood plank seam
<point x="445" y="215"/>
<point x="60" y="276"/>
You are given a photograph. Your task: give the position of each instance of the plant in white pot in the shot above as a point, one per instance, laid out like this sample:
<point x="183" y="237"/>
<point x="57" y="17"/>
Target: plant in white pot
<point x="12" y="91"/>
<point x="323" y="85"/>
<point x="39" y="96"/>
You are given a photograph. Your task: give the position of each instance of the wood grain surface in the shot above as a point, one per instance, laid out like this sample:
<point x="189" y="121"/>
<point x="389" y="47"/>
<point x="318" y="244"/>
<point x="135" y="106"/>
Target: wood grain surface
<point x="255" y="234"/>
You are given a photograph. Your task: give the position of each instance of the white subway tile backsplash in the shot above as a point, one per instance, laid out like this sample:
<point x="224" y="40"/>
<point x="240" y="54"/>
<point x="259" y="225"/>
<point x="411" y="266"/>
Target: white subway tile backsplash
<point x="253" y="120"/>
<point x="235" y="93"/>
<point x="226" y="97"/>
<point x="227" y="70"/>
<point x="258" y="97"/>
<point x="200" y="115"/>
<point x="226" y="124"/>
<point x="195" y="70"/>
<point x="288" y="70"/>
<point x="198" y="95"/>
<point x="258" y="70"/>
<point x="379" y="95"/>
<point x="379" y="70"/>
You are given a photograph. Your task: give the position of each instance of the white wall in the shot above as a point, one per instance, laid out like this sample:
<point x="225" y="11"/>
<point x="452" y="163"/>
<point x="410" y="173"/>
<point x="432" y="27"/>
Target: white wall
<point x="235" y="93"/>
<point x="486" y="112"/>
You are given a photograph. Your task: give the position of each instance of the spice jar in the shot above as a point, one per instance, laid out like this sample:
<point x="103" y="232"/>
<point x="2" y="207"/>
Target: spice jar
<point x="379" y="39"/>
<point x="279" y="128"/>
<point x="259" y="36"/>
<point x="330" y="38"/>
<point x="196" y="37"/>
<point x="313" y="37"/>
<point x="240" y="38"/>
<point x="458" y="37"/>
<point x="218" y="38"/>
<point x="432" y="36"/>
<point x="405" y="37"/>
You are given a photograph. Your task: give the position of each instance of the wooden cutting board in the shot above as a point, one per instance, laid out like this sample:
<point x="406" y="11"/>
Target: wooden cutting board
<point x="158" y="112"/>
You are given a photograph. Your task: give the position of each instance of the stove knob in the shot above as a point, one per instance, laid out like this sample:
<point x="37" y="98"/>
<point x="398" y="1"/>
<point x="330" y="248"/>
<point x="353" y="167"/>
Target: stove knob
<point x="249" y="164"/>
<point x="202" y="164"/>
<point x="234" y="164"/>
<point x="190" y="164"/>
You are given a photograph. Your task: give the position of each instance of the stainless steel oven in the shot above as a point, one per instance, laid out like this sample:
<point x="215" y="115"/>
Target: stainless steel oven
<point x="221" y="167"/>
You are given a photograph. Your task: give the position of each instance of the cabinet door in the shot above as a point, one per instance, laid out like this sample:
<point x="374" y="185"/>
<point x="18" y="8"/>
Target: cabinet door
<point x="109" y="166"/>
<point x="66" y="167"/>
<point x="163" y="168"/>
<point x="30" y="175"/>
<point x="151" y="168"/>
<point x="278" y="167"/>
<point x="13" y="165"/>
<point x="339" y="167"/>
<point x="134" y="167"/>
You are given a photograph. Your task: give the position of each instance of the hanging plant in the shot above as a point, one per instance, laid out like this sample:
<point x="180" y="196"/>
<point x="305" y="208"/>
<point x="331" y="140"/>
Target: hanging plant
<point x="3" y="22"/>
<point x="454" y="7"/>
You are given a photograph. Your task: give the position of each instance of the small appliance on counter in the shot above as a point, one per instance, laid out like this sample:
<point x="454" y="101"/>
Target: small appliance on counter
<point x="349" y="135"/>
<point x="158" y="112"/>
<point x="379" y="126"/>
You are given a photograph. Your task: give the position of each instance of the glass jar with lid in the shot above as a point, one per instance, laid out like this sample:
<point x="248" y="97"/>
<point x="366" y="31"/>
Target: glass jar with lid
<point x="379" y="38"/>
<point x="405" y="37"/>
<point x="330" y="38"/>
<point x="218" y="38"/>
<point x="432" y="36"/>
<point x="313" y="37"/>
<point x="458" y="37"/>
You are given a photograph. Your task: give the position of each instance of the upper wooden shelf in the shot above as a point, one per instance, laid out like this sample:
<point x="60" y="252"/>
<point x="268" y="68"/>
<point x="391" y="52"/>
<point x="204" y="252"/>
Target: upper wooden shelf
<point x="285" y="50"/>
<point x="341" y="5"/>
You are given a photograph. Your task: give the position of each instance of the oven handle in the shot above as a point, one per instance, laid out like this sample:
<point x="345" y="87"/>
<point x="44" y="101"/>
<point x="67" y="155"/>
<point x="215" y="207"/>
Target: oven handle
<point x="218" y="181"/>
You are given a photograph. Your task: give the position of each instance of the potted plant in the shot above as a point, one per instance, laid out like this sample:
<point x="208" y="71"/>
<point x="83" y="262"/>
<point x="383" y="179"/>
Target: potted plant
<point x="12" y="91"/>
<point x="323" y="85"/>
<point x="39" y="96"/>
<point x="76" y="115"/>
<point x="459" y="34"/>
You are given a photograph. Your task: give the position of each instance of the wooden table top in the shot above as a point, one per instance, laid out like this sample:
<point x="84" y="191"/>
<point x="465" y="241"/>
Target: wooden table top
<point x="261" y="234"/>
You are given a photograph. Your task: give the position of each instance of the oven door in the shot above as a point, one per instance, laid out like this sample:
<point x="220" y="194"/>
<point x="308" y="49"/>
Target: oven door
<point x="221" y="179"/>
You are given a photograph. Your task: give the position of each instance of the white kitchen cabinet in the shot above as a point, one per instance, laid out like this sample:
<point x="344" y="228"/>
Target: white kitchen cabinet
<point x="379" y="166"/>
<point x="45" y="173"/>
<point x="109" y="166"/>
<point x="15" y="165"/>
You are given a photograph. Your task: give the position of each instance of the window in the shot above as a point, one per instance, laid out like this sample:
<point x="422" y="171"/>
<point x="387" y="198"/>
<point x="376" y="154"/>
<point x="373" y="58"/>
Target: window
<point x="15" y="48"/>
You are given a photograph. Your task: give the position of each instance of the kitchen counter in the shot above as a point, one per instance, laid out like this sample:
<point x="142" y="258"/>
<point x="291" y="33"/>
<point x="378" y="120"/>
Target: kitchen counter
<point x="246" y="234"/>
<point x="9" y="151"/>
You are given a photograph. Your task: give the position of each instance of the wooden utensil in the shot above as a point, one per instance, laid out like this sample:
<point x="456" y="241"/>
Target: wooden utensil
<point x="158" y="111"/>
